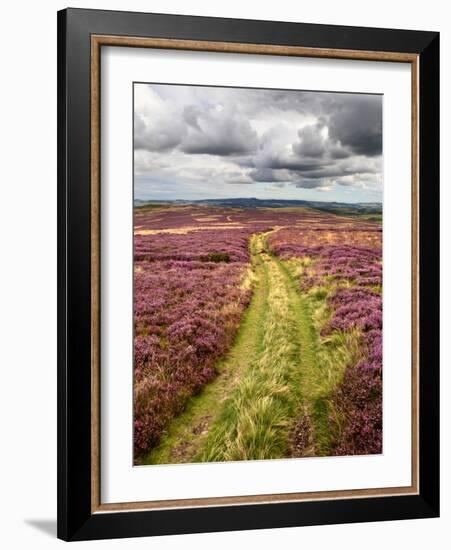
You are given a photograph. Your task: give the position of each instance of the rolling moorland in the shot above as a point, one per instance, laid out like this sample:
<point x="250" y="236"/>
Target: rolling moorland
<point x="258" y="330"/>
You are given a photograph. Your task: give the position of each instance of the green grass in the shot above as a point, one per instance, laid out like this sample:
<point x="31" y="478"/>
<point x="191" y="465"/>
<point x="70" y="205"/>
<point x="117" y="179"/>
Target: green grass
<point x="332" y="354"/>
<point x="187" y="433"/>
<point x="255" y="420"/>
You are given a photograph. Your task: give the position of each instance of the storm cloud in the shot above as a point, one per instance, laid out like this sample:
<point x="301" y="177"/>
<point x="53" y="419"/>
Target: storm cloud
<point x="202" y="140"/>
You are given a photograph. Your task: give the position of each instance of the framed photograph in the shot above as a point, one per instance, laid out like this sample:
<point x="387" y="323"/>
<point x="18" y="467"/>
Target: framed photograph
<point x="248" y="274"/>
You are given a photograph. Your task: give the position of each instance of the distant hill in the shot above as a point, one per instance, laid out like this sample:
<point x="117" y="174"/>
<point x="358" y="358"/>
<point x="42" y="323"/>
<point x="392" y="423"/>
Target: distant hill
<point x="363" y="207"/>
<point x="334" y="207"/>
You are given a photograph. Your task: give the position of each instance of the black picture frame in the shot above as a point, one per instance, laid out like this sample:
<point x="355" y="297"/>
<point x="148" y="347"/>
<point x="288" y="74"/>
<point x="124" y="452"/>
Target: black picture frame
<point x="76" y="520"/>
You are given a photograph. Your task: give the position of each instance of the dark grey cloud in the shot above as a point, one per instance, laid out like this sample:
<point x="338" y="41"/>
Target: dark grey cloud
<point x="268" y="175"/>
<point x="190" y="114"/>
<point x="309" y="184"/>
<point x="161" y="137"/>
<point x="281" y="177"/>
<point x="197" y="131"/>
<point x="296" y="163"/>
<point x="312" y="142"/>
<point x="221" y="134"/>
<point x="358" y="125"/>
<point x="315" y="142"/>
<point x="354" y="120"/>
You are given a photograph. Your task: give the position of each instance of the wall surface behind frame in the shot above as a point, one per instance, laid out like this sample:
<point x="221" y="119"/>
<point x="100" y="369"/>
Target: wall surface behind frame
<point x="28" y="275"/>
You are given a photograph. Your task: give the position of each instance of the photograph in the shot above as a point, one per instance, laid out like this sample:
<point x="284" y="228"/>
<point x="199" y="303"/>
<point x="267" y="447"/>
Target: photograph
<point x="257" y="274"/>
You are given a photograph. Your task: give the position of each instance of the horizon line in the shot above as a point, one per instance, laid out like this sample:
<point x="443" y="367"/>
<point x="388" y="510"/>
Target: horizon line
<point x="256" y="199"/>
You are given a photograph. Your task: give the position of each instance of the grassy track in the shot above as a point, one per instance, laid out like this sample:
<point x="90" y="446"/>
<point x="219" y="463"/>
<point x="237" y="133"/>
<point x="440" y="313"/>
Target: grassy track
<point x="270" y="397"/>
<point x="254" y="423"/>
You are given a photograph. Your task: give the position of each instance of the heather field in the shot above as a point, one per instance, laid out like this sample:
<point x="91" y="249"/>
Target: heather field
<point x="258" y="333"/>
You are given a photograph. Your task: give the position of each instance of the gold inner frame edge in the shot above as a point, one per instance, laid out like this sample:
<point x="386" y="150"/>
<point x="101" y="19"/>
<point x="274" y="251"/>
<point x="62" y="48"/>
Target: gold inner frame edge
<point x="97" y="41"/>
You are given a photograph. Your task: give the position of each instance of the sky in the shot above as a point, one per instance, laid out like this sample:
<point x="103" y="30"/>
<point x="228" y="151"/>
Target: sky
<point x="200" y="142"/>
